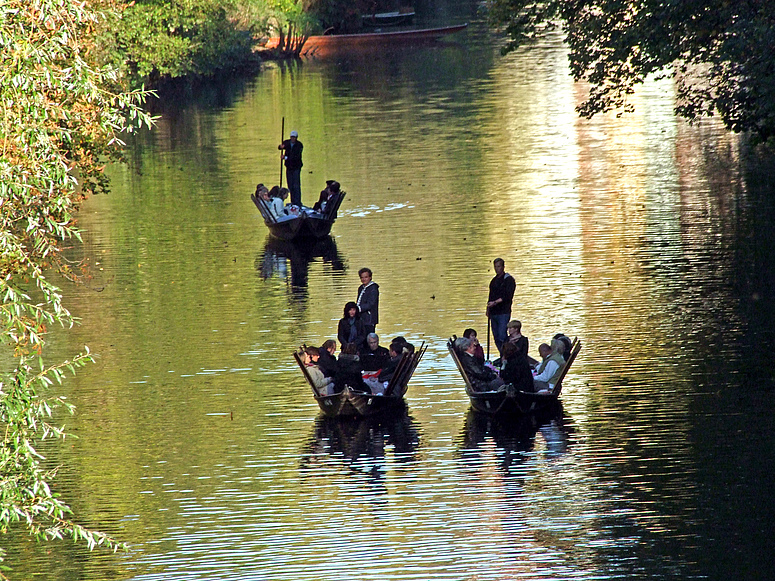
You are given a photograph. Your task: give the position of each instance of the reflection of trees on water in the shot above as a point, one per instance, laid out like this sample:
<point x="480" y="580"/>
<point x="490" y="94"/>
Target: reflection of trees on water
<point x="363" y="445"/>
<point x="515" y="437"/>
<point x="290" y="261"/>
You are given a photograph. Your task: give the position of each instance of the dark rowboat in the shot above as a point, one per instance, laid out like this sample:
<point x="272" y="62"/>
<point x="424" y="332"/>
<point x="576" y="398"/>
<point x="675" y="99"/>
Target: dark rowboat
<point x="306" y="224"/>
<point x="350" y="402"/>
<point x="507" y="399"/>
<point x="395" y="18"/>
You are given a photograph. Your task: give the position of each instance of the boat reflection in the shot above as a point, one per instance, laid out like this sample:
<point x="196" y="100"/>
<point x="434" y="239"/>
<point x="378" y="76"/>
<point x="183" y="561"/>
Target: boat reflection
<point x="365" y="446"/>
<point x="290" y="261"/>
<point x="515" y="437"/>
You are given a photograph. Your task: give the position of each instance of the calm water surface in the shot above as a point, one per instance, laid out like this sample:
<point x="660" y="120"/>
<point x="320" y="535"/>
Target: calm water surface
<point x="200" y="446"/>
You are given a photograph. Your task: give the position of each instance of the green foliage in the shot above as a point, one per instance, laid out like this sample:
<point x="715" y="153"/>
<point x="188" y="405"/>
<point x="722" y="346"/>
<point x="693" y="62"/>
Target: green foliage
<point x="60" y="120"/>
<point x="718" y="51"/>
<point x="156" y="39"/>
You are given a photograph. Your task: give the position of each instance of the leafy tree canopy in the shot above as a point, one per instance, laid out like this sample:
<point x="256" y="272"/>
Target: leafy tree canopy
<point x="719" y="51"/>
<point x="62" y="117"/>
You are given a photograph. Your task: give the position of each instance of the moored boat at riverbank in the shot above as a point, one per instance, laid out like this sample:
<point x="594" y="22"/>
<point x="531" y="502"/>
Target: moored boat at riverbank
<point x="320" y="45"/>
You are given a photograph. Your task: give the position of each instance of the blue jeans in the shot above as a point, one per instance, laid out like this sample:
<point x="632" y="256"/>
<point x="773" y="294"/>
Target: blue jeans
<point x="499" y="324"/>
<point x="294" y="184"/>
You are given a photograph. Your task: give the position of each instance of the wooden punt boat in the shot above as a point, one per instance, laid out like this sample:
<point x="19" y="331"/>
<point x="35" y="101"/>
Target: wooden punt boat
<point x="351" y="402"/>
<point x="319" y="45"/>
<point x="507" y="399"/>
<point x="307" y="224"/>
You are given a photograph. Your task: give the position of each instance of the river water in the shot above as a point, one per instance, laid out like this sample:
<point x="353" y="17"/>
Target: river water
<point x="199" y="443"/>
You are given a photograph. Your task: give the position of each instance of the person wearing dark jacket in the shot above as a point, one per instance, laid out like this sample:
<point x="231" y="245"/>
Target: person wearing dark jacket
<point x="396" y="352"/>
<point x="351" y="328"/>
<point x="368" y="300"/>
<point x="482" y="378"/>
<point x="502" y="288"/>
<point x="373" y="355"/>
<point x="292" y="155"/>
<point x="326" y="359"/>
<point x="349" y="370"/>
<point x="332" y="187"/>
<point x="516" y="369"/>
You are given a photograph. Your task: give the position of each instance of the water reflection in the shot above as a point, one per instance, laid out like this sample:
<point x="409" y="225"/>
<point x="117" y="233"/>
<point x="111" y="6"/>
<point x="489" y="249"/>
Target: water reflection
<point x="290" y="261"/>
<point x="515" y="437"/>
<point x="364" y="446"/>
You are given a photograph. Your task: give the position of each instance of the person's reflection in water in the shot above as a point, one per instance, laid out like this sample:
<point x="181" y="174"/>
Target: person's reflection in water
<point x="290" y="261"/>
<point x="514" y="437"/>
<point x="360" y="445"/>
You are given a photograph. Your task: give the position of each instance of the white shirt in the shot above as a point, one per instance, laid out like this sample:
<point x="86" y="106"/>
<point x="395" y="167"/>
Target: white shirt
<point x="549" y="370"/>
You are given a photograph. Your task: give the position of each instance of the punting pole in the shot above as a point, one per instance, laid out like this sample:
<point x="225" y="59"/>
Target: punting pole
<point x="488" y="336"/>
<point x="282" y="136"/>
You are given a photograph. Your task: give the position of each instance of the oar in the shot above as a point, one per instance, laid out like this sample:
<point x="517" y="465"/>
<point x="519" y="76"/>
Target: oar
<point x="282" y="135"/>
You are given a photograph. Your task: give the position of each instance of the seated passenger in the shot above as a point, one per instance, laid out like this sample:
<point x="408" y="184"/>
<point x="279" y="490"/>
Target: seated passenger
<point x="567" y="342"/>
<point x="405" y="345"/>
<point x="262" y="193"/>
<point x="323" y="385"/>
<point x="349" y="370"/>
<point x="471" y="334"/>
<point x="332" y="187"/>
<point x="516" y="369"/>
<point x="482" y="378"/>
<point x="276" y="205"/>
<point x="396" y="351"/>
<point x="373" y="356"/>
<point x="550" y="368"/>
<point x="351" y="328"/>
<point x="326" y="360"/>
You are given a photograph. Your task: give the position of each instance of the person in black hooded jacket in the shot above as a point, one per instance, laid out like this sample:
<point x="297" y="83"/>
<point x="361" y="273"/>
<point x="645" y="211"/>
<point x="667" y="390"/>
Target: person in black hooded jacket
<point x="351" y="328"/>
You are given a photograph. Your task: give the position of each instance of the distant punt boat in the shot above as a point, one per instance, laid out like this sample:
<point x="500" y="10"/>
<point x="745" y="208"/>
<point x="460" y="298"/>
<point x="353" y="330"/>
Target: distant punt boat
<point x="306" y="224"/>
<point x="336" y="42"/>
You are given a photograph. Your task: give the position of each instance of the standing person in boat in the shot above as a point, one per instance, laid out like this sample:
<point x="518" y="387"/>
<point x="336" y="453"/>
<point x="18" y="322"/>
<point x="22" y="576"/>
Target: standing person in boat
<point x="502" y="288"/>
<point x="368" y="300"/>
<point x="292" y="149"/>
<point x="515" y="336"/>
<point x="351" y="328"/>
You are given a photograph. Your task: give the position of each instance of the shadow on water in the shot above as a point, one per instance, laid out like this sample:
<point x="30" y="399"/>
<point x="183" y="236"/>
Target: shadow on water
<point x="515" y="437"/>
<point x="290" y="261"/>
<point x="365" y="446"/>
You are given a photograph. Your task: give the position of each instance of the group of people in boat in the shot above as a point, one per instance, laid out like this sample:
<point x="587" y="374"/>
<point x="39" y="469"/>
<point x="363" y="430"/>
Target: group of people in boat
<point x="275" y="201"/>
<point x="363" y="364"/>
<point x="514" y="366"/>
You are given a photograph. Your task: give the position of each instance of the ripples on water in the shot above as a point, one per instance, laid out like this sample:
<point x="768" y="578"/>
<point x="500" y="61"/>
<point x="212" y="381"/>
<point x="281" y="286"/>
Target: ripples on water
<point x="201" y="446"/>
